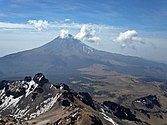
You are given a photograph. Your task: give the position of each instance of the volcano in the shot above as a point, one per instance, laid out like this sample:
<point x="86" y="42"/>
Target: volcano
<point x="63" y="57"/>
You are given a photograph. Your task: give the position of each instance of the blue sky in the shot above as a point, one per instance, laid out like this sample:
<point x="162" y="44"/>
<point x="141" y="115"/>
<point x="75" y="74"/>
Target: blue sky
<point x="130" y="27"/>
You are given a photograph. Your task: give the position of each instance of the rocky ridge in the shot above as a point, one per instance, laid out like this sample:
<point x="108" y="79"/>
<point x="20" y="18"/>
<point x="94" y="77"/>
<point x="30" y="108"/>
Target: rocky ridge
<point x="37" y="101"/>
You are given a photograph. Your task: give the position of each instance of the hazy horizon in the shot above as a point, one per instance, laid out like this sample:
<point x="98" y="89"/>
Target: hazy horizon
<point x="139" y="30"/>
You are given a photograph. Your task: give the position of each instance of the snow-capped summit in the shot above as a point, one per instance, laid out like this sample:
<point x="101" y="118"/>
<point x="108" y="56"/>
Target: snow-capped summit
<point x="64" y="34"/>
<point x="67" y="36"/>
<point x="66" y="46"/>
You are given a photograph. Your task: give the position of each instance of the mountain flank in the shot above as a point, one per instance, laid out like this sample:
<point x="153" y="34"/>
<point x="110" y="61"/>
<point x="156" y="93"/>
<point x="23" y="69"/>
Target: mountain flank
<point x="64" y="57"/>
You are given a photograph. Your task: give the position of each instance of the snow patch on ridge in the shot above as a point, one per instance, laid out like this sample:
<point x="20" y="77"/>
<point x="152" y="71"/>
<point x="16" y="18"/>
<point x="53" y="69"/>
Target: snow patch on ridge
<point x="9" y="102"/>
<point x="87" y="49"/>
<point x="2" y="92"/>
<point x="45" y="106"/>
<point x="21" y="113"/>
<point x="109" y="119"/>
<point x="30" y="84"/>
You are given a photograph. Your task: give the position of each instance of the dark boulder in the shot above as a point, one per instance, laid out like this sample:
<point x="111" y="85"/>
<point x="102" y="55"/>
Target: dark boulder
<point x="22" y="91"/>
<point x="4" y="84"/>
<point x="62" y="86"/>
<point x="34" y="95"/>
<point x="65" y="87"/>
<point x="39" y="90"/>
<point x="16" y="94"/>
<point x="27" y="78"/>
<point x="40" y="79"/>
<point x="86" y="98"/>
<point x="8" y="93"/>
<point x="65" y="103"/>
<point x="148" y="101"/>
<point x="69" y="95"/>
<point x="120" y="111"/>
<point x="1" y="102"/>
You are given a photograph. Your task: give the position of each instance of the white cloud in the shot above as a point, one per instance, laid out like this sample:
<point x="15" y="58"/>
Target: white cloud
<point x="74" y="25"/>
<point x="7" y="25"/>
<point x="87" y="33"/>
<point x="64" y="33"/>
<point x="44" y="24"/>
<point x="67" y="20"/>
<point x="129" y="38"/>
<point x="39" y="24"/>
<point x="101" y="27"/>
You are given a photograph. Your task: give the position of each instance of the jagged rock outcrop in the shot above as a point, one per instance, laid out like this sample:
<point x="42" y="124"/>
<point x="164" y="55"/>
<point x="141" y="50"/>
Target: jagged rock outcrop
<point x="120" y="111"/>
<point x="149" y="106"/>
<point x="149" y="101"/>
<point x="36" y="101"/>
